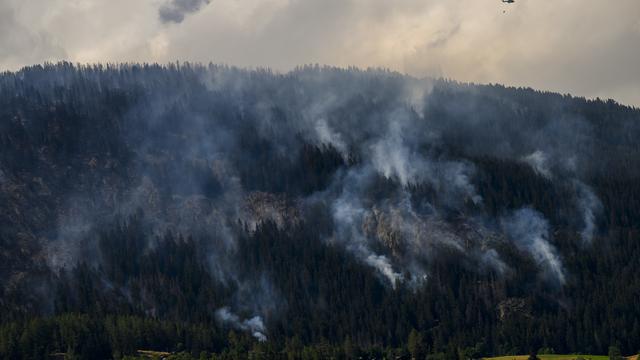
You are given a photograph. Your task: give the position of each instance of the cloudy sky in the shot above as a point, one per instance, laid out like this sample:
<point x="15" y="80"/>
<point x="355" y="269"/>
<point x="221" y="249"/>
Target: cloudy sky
<point x="585" y="47"/>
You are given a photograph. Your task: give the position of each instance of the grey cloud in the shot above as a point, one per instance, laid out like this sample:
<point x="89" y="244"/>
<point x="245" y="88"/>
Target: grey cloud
<point x="536" y="44"/>
<point x="21" y="44"/>
<point x="176" y="10"/>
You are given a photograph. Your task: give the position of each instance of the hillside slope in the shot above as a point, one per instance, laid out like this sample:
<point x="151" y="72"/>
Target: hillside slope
<point x="356" y="210"/>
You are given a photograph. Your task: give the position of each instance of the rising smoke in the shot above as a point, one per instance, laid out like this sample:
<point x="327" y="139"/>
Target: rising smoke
<point x="392" y="140"/>
<point x="530" y="232"/>
<point x="254" y="325"/>
<point x="198" y="145"/>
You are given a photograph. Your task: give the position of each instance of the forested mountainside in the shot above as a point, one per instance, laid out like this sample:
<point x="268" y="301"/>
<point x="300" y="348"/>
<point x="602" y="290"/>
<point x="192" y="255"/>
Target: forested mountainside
<point x="326" y="212"/>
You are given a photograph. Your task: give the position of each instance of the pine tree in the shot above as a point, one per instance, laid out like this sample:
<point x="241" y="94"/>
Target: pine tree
<point x="614" y="353"/>
<point x="415" y="344"/>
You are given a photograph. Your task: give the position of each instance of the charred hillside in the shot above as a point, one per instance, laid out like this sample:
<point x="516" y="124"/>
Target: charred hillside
<point x="208" y="208"/>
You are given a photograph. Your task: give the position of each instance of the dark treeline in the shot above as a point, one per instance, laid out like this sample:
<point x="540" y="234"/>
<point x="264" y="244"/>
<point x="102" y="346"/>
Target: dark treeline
<point x="229" y="213"/>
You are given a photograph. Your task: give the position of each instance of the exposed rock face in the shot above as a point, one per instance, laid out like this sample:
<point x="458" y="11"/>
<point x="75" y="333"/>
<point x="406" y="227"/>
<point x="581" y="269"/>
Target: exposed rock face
<point x="400" y="229"/>
<point x="414" y="239"/>
<point x="384" y="227"/>
<point x="512" y="308"/>
<point x="262" y="206"/>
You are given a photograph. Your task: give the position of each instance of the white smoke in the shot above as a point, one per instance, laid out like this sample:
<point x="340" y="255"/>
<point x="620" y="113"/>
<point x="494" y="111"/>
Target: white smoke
<point x="348" y="216"/>
<point x="398" y="141"/>
<point x="417" y="93"/>
<point x="539" y="163"/>
<point x="529" y="231"/>
<point x="589" y="205"/>
<point x="490" y="258"/>
<point x="392" y="158"/>
<point x="456" y="181"/>
<point x="254" y="325"/>
<point x="587" y="202"/>
<point x="326" y="135"/>
<point x="382" y="264"/>
<point x="72" y="241"/>
<point x="412" y="237"/>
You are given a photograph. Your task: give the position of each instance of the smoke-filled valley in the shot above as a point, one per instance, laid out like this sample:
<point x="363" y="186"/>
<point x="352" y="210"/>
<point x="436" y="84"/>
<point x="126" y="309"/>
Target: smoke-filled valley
<point x="338" y="212"/>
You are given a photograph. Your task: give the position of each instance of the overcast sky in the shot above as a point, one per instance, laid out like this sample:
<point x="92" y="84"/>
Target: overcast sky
<point x="585" y="47"/>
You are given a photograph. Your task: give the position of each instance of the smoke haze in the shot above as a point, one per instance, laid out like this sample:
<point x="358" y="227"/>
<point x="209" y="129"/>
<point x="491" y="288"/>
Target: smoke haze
<point x="221" y="165"/>
<point x="559" y="45"/>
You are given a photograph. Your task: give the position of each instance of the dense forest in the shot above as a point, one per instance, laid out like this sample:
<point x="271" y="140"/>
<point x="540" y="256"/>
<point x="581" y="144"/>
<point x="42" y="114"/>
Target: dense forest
<point x="323" y="212"/>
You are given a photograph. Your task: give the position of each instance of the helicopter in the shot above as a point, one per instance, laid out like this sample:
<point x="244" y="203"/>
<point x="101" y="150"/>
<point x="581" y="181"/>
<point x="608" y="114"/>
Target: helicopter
<point x="507" y="2"/>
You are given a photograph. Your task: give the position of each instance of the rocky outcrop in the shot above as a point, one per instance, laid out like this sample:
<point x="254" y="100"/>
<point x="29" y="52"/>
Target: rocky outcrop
<point x="513" y="308"/>
<point x="261" y="206"/>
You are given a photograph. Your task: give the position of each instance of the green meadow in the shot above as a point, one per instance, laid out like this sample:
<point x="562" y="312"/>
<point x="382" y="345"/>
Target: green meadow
<point x="558" y="357"/>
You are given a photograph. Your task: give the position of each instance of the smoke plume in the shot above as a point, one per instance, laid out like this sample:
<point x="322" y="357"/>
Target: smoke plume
<point x="254" y="325"/>
<point x="399" y="161"/>
<point x="530" y="232"/>
<point x="590" y="207"/>
<point x="176" y="10"/>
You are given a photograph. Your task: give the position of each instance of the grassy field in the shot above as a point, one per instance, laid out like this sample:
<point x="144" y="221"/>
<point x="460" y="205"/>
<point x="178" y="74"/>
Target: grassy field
<point x="558" y="357"/>
<point x="149" y="354"/>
